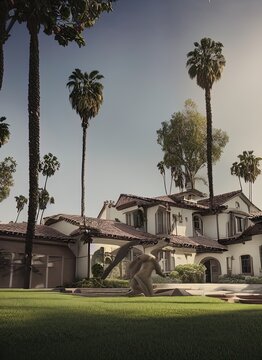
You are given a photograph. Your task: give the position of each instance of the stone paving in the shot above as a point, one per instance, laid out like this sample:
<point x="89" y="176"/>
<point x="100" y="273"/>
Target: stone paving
<point x="243" y="293"/>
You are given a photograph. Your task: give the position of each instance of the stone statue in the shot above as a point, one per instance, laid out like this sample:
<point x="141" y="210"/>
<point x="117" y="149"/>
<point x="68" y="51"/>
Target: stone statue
<point x="140" y="271"/>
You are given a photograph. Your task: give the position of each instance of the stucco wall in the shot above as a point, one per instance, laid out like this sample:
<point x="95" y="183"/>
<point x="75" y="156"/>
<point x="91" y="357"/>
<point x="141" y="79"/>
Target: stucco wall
<point x="248" y="248"/>
<point x="57" y="265"/>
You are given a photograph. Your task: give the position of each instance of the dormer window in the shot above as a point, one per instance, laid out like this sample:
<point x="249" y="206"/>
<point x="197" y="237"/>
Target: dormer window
<point x="135" y="218"/>
<point x="240" y="224"/>
<point x="197" y="225"/>
<point x="162" y="218"/>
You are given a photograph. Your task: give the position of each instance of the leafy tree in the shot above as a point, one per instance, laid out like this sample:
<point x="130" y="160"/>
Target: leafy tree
<point x="247" y="168"/>
<point x="66" y="20"/>
<point x="21" y="201"/>
<point x="86" y="97"/>
<point x="7" y="169"/>
<point x="183" y="141"/>
<point x="206" y="63"/>
<point x="4" y="131"/>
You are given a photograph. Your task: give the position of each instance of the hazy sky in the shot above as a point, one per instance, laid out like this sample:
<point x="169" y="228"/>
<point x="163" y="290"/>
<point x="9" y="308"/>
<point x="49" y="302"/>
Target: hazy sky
<point x="140" y="48"/>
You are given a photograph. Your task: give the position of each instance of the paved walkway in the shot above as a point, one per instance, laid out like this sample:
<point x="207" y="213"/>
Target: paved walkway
<point x="229" y="292"/>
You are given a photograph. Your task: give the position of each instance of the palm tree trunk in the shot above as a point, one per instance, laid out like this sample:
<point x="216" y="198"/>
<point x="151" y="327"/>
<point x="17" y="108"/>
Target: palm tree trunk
<point x="2" y="31"/>
<point x="34" y="135"/>
<point x="209" y="147"/>
<point x="240" y="183"/>
<point x="18" y="213"/>
<point x="84" y="126"/>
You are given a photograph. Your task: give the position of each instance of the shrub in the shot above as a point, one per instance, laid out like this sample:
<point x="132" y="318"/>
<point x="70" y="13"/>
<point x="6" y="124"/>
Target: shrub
<point x="166" y="280"/>
<point x="240" y="279"/>
<point x="99" y="283"/>
<point x="232" y="279"/>
<point x="97" y="270"/>
<point x="189" y="273"/>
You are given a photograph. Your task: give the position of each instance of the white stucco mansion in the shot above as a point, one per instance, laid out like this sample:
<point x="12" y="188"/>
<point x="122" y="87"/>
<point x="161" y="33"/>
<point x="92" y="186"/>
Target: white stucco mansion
<point x="227" y="241"/>
<point x="178" y="229"/>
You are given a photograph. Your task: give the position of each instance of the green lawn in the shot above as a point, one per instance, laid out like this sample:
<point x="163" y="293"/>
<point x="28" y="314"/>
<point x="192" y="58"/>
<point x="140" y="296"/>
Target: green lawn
<point x="47" y="325"/>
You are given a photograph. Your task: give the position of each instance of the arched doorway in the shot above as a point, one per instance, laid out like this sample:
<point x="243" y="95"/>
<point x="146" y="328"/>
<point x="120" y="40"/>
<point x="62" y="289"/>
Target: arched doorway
<point x="213" y="269"/>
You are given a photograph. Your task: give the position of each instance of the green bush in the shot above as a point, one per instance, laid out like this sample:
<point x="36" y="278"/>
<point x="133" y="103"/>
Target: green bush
<point x="232" y="279"/>
<point x="166" y="280"/>
<point x="97" y="270"/>
<point x="240" y="279"/>
<point x="98" y="283"/>
<point x="189" y="273"/>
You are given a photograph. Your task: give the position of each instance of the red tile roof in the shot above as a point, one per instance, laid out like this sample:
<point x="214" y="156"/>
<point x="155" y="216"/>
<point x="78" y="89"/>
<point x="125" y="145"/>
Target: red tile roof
<point x="104" y="228"/>
<point x="127" y="200"/>
<point x="41" y="231"/>
<point x="246" y="235"/>
<point x="220" y="199"/>
<point x="200" y="243"/>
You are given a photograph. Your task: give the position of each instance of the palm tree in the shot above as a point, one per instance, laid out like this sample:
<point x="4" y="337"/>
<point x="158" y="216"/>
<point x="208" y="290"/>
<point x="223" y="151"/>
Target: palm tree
<point x="4" y="131"/>
<point x="237" y="170"/>
<point x="247" y="168"/>
<point x="161" y="168"/>
<point x="206" y="63"/>
<point x="66" y="20"/>
<point x="86" y="97"/>
<point x="48" y="166"/>
<point x="21" y="201"/>
<point x="44" y="200"/>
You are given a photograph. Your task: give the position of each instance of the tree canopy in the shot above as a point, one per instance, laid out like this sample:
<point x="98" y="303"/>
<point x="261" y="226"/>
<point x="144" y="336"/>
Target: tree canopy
<point x="7" y="169"/>
<point x="247" y="168"/>
<point x="183" y="142"/>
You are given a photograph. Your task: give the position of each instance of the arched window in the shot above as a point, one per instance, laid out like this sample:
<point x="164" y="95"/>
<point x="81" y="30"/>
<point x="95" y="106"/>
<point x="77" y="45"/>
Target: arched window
<point x="197" y="225"/>
<point x="246" y="264"/>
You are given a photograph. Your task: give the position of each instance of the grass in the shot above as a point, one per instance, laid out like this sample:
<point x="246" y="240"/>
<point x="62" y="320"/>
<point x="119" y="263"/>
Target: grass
<point x="38" y="325"/>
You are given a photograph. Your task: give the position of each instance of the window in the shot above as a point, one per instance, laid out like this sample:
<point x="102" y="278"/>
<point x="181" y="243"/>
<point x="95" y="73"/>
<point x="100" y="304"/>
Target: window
<point x="239" y="224"/>
<point x="198" y="225"/>
<point x="246" y="264"/>
<point x="260" y="253"/>
<point x="163" y="221"/>
<point x="135" y="218"/>
<point x="236" y="224"/>
<point x="229" y="265"/>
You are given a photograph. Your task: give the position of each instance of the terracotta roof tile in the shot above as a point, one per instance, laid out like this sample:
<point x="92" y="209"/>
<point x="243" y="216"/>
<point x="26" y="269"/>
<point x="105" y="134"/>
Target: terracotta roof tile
<point x="220" y="199"/>
<point x="127" y="200"/>
<point x="105" y="228"/>
<point x="200" y="243"/>
<point x="41" y="231"/>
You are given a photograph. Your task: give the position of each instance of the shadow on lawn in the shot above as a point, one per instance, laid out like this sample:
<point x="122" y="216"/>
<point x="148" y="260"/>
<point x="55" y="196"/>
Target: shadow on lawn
<point x="96" y="330"/>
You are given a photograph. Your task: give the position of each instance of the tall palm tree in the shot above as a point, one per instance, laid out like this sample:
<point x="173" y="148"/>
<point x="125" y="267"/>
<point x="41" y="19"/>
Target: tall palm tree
<point x="236" y="169"/>
<point x="161" y="168"/>
<point x="48" y="166"/>
<point x="4" y="131"/>
<point x="44" y="200"/>
<point x="86" y="97"/>
<point x="247" y="168"/>
<point x="66" y="20"/>
<point x="21" y="201"/>
<point x="206" y="63"/>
